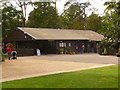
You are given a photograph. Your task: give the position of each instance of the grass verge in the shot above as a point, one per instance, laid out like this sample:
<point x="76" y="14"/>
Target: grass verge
<point x="105" y="77"/>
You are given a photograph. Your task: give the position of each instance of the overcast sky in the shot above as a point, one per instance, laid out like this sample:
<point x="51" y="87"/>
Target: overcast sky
<point x="98" y="4"/>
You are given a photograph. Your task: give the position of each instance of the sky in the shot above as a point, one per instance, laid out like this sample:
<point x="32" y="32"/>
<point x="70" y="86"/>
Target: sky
<point x="98" y="4"/>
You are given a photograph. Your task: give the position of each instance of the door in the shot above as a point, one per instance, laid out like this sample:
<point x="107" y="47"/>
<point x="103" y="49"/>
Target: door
<point x="50" y="47"/>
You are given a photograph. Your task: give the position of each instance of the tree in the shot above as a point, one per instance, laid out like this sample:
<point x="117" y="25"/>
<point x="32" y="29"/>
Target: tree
<point x="94" y="22"/>
<point x="44" y="15"/>
<point x="72" y="18"/>
<point x="23" y="6"/>
<point x="11" y="18"/>
<point x="111" y="26"/>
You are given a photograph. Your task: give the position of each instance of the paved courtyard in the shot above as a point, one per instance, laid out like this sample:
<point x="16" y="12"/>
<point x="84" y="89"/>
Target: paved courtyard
<point x="31" y="66"/>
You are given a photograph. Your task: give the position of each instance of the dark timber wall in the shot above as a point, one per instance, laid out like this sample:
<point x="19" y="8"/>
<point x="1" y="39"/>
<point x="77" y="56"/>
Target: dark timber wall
<point x="26" y="45"/>
<point x="17" y="35"/>
<point x="26" y="48"/>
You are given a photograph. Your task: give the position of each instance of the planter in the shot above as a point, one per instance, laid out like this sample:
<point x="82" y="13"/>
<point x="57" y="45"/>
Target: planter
<point x="104" y="54"/>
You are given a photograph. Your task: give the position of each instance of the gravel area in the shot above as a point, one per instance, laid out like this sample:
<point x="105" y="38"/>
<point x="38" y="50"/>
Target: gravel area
<point x="25" y="67"/>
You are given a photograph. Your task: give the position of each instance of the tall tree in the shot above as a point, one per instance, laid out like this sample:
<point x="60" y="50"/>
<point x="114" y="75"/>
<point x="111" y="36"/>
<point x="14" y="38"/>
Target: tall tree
<point x="44" y="15"/>
<point x="23" y="5"/>
<point x="11" y="18"/>
<point x="111" y="24"/>
<point x="72" y="17"/>
<point x="94" y="22"/>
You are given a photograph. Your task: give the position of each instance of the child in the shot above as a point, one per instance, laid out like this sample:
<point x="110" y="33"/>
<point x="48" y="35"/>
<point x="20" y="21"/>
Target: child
<point x="9" y="50"/>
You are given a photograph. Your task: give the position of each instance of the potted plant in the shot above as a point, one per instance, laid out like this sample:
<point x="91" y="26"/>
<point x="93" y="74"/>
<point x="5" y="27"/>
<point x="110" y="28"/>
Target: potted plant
<point x="65" y="51"/>
<point x="9" y="45"/>
<point x="70" y="52"/>
<point x="73" y="52"/>
<point x="104" y="51"/>
<point x="118" y="54"/>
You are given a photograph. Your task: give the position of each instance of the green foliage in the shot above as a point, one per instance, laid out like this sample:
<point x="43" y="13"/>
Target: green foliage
<point x="71" y="18"/>
<point x="11" y="19"/>
<point x="43" y="16"/>
<point x="104" y="43"/>
<point x="94" y="22"/>
<point x="111" y="24"/>
<point x="72" y="12"/>
<point x="110" y="6"/>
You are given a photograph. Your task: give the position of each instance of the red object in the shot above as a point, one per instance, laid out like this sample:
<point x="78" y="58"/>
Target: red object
<point x="9" y="49"/>
<point x="76" y="47"/>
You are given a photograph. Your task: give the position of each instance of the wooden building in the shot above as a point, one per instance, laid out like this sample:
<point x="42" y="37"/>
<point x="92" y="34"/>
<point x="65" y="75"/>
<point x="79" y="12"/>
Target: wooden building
<point x="53" y="41"/>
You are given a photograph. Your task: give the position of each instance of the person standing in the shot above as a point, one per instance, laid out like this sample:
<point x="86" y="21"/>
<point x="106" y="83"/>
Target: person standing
<point x="88" y="48"/>
<point x="76" y="48"/>
<point x="9" y="51"/>
<point x="83" y="48"/>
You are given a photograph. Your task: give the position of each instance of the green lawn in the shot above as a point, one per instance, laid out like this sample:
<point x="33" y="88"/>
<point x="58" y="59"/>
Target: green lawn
<point x="105" y="77"/>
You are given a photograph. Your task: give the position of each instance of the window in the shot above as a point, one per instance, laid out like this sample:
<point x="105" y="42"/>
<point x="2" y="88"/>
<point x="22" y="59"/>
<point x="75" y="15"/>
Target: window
<point x="69" y="44"/>
<point x="62" y="44"/>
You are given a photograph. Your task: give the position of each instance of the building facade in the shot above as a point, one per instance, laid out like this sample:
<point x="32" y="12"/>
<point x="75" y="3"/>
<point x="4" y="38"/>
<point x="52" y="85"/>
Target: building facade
<point x="53" y="41"/>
